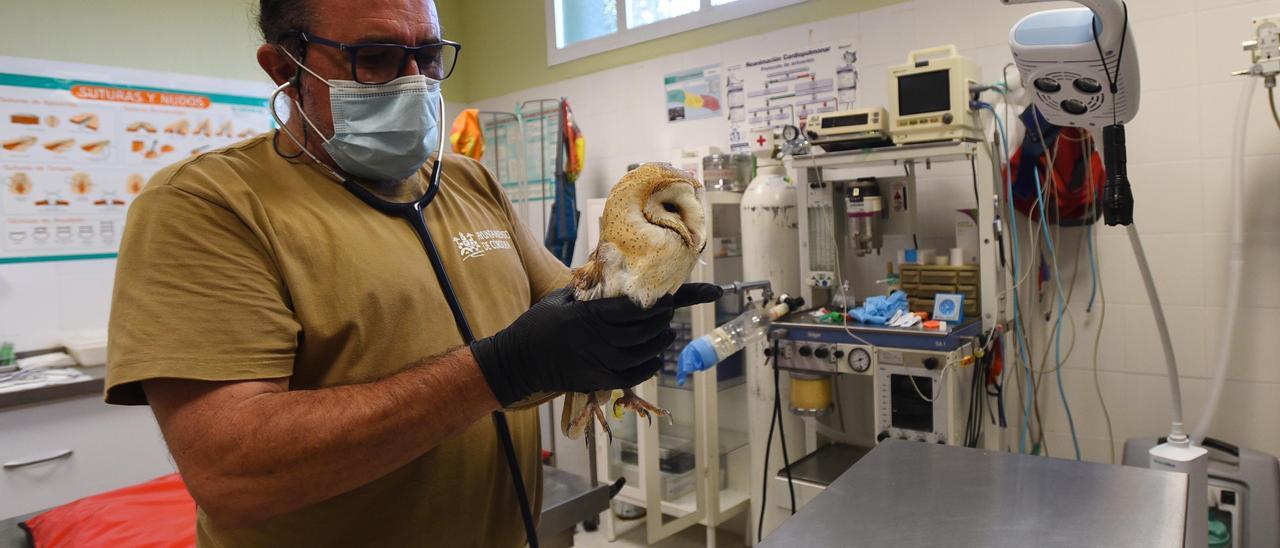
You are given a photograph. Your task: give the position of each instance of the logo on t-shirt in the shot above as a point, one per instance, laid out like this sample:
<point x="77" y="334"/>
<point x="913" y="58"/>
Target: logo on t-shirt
<point x="476" y="244"/>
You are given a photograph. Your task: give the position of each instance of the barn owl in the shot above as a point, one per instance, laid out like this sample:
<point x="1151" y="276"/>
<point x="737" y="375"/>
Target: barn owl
<point x="651" y="235"/>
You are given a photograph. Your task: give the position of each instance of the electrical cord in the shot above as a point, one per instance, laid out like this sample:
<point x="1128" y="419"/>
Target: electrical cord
<point x="936" y="389"/>
<point x="775" y="420"/>
<point x="768" y="448"/>
<point x="1036" y="372"/>
<point x="973" y="167"/>
<point x="1097" y="340"/>
<point x="1059" y="358"/>
<point x="1099" y="292"/>
<point x="782" y="433"/>
<point x="1271" y="100"/>
<point x="977" y="391"/>
<point x="1008" y="262"/>
<point x="1020" y="336"/>
<point x="1090" y="235"/>
<point x="1057" y="331"/>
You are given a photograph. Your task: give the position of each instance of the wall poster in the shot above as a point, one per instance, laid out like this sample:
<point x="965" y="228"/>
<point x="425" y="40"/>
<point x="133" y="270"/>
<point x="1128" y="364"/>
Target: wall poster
<point x="785" y="88"/>
<point x="693" y="94"/>
<point x="78" y="142"/>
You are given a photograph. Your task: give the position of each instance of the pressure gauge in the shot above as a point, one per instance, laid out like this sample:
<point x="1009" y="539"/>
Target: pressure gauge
<point x="859" y="360"/>
<point x="790" y="133"/>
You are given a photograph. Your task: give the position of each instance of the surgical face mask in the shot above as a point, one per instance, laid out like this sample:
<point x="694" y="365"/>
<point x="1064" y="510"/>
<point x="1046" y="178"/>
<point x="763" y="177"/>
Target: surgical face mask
<point x="382" y="132"/>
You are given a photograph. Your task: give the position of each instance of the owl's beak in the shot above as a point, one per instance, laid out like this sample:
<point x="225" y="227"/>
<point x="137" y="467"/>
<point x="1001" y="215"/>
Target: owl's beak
<point x="690" y="240"/>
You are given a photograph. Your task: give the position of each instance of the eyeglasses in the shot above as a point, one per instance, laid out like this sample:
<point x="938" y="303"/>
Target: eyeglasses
<point x="374" y="64"/>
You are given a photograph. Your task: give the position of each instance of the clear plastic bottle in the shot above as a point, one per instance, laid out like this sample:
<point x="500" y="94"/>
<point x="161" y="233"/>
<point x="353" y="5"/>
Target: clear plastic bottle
<point x="708" y="350"/>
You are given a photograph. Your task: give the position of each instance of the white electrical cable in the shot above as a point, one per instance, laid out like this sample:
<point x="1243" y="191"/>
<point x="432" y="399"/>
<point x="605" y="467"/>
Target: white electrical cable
<point x="1235" y="272"/>
<point x="1176" y="433"/>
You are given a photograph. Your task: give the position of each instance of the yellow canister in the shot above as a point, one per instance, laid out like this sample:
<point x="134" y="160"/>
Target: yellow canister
<point x="810" y="394"/>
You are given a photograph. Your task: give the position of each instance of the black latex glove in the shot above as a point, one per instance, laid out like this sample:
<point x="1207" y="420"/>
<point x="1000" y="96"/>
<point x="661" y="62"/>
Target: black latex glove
<point x="565" y="345"/>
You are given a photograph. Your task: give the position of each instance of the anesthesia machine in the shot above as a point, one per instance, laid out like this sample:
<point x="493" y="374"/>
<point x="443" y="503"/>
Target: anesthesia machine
<point x="896" y="335"/>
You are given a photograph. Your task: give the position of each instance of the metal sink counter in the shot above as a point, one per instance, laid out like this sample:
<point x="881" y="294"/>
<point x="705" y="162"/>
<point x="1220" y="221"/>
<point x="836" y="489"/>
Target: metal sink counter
<point x="910" y="494"/>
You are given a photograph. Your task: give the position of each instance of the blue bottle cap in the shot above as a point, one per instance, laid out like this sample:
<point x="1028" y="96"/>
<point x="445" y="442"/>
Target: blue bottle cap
<point x="698" y="355"/>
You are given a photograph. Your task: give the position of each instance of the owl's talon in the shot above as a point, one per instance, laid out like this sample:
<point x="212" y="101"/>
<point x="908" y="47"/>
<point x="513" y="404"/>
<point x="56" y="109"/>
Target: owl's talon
<point x="641" y="408"/>
<point x="600" y="419"/>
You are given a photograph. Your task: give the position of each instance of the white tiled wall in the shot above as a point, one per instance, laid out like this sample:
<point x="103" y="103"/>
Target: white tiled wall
<point x="41" y="301"/>
<point x="1179" y="146"/>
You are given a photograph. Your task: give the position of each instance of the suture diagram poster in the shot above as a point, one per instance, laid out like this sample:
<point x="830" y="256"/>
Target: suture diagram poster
<point x="78" y="143"/>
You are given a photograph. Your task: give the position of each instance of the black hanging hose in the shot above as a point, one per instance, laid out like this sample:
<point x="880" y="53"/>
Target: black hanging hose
<point x="413" y="213"/>
<point x="768" y="448"/>
<point x="782" y="433"/>
<point x="499" y="418"/>
<point x="775" y="420"/>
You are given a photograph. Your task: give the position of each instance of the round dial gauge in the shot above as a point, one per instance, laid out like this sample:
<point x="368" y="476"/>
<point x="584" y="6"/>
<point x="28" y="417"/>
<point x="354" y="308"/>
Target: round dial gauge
<point x="859" y="360"/>
<point x="790" y="133"/>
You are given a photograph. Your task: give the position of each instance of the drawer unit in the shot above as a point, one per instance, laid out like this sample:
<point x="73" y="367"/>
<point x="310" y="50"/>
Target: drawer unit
<point x="110" y="447"/>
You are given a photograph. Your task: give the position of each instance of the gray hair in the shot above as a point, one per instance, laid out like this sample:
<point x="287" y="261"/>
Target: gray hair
<point x="277" y="18"/>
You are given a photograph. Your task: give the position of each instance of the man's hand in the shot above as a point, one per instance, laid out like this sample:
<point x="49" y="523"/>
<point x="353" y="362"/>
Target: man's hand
<point x="566" y="345"/>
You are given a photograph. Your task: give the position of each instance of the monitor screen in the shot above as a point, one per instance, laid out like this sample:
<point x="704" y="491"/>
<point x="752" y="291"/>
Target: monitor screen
<point x="909" y="410"/>
<point x="924" y="92"/>
<point x="844" y="121"/>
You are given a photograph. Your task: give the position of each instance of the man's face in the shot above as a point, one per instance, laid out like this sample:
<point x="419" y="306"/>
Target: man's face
<point x="406" y="22"/>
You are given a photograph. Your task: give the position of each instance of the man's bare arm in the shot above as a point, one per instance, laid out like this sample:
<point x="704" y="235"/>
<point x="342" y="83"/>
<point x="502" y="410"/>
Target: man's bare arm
<point x="252" y="450"/>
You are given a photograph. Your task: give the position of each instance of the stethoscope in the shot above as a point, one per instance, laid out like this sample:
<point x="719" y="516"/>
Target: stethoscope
<point x="413" y="212"/>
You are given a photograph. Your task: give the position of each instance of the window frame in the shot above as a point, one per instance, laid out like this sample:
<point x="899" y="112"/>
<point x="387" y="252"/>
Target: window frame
<point x="705" y="16"/>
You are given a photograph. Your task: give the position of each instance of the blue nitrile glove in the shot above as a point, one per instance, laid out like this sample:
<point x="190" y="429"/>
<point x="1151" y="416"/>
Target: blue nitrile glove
<point x="698" y="355"/>
<point x="878" y="309"/>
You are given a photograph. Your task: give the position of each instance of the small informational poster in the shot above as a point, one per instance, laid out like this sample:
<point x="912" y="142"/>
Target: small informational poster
<point x="785" y="88"/>
<point x="693" y="94"/>
<point x="79" y="142"/>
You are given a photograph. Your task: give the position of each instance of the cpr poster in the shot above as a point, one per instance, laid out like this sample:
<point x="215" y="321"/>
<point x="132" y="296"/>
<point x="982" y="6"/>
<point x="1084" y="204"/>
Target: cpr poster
<point x="785" y="88"/>
<point x="78" y="142"/>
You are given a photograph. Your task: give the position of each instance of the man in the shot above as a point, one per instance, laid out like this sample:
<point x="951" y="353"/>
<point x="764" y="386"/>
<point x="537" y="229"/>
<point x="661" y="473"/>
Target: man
<point x="299" y="353"/>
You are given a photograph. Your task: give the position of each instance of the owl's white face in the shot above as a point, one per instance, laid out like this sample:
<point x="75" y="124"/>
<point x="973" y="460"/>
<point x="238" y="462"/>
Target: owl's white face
<point x="651" y="234"/>
<point x="676" y="209"/>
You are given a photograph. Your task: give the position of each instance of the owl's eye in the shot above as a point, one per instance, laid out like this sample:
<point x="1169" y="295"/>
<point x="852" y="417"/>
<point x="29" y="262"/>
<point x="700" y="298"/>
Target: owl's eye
<point x="670" y="207"/>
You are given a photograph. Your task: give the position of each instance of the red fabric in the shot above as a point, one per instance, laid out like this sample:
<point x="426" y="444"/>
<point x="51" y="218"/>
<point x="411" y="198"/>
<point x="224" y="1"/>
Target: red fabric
<point x="1070" y="198"/>
<point x="157" y="513"/>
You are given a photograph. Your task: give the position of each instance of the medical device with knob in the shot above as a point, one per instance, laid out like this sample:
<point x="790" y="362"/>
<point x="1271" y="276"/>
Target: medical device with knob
<point x="849" y="129"/>
<point x="849" y="217"/>
<point x="1082" y="71"/>
<point x="1265" y="51"/>
<point x="929" y="97"/>
<point x="1082" y="67"/>
<point x="863" y="209"/>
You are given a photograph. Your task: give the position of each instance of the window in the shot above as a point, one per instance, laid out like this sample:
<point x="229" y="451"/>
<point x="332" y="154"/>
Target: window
<point x="578" y="28"/>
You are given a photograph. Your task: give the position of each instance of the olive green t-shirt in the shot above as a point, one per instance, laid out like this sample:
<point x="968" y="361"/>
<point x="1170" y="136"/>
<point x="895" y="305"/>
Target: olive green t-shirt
<point x="240" y="264"/>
